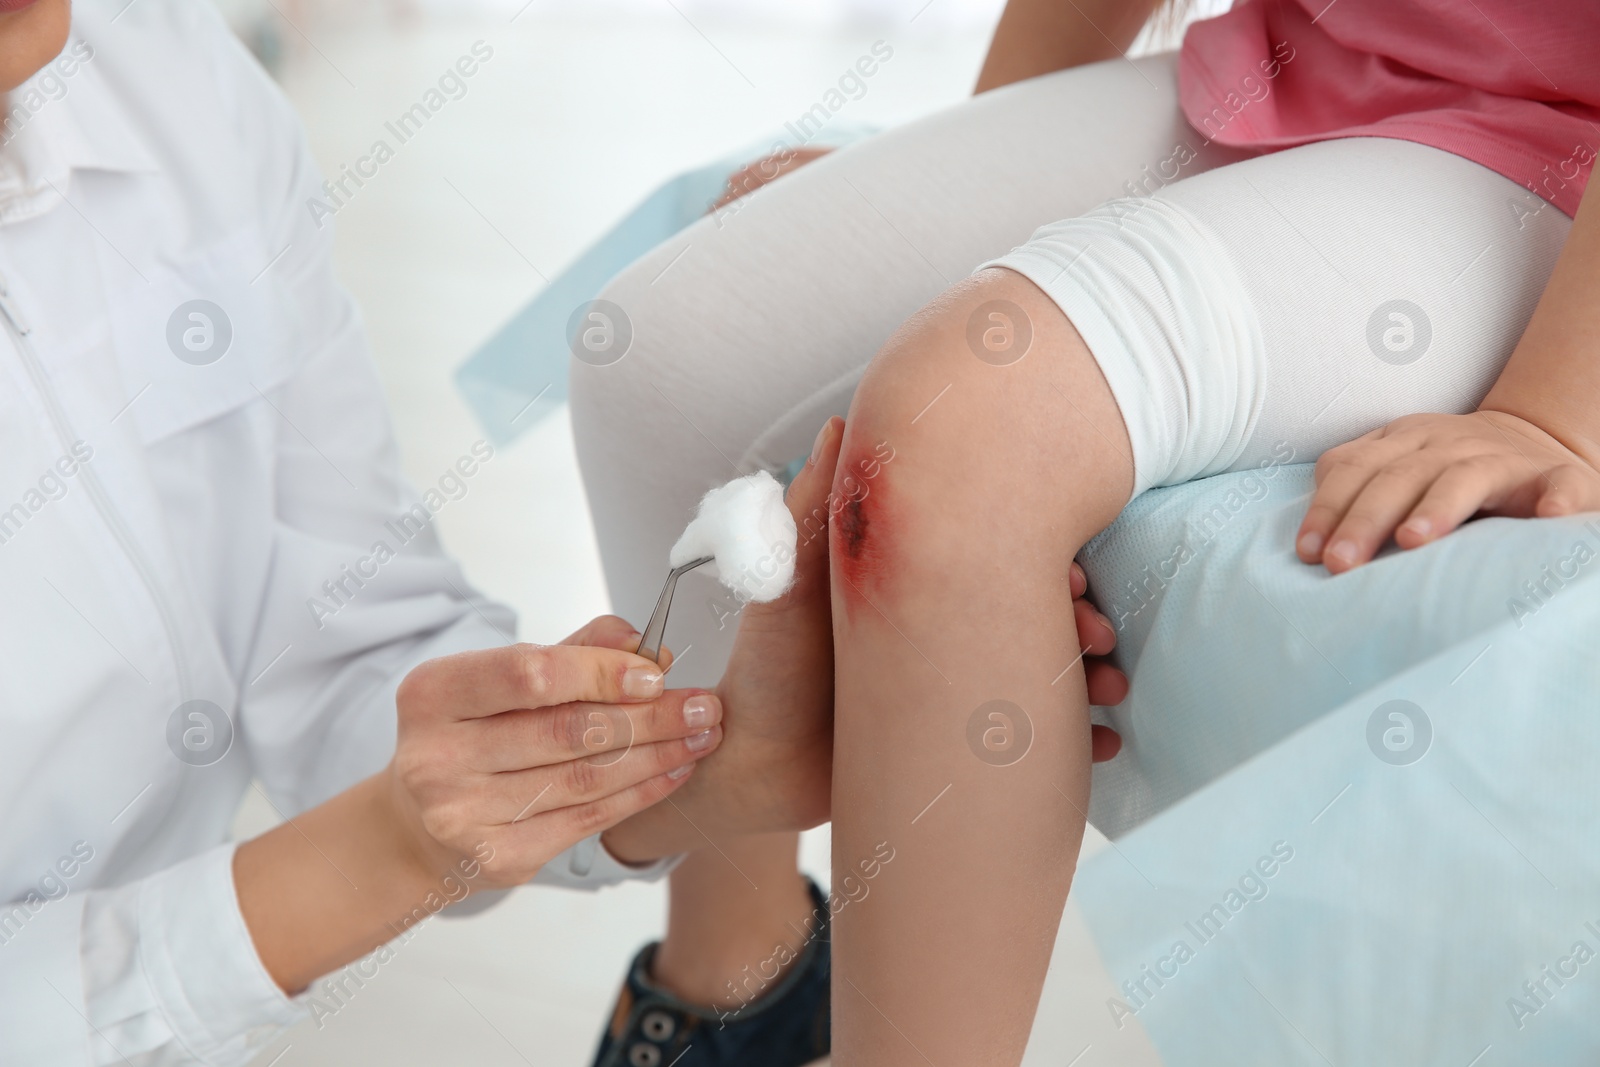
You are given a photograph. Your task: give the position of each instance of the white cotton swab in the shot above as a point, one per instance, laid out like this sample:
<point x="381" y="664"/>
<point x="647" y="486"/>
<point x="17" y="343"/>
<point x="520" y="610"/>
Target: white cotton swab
<point x="747" y="530"/>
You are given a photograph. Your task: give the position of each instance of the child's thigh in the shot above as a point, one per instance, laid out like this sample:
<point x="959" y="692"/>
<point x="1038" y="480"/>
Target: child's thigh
<point x="1273" y="308"/>
<point x="750" y="328"/>
<point x="758" y="321"/>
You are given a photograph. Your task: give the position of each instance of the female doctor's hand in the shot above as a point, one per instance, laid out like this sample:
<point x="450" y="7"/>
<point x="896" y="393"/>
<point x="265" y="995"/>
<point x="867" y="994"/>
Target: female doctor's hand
<point x="505" y="758"/>
<point x="509" y="756"/>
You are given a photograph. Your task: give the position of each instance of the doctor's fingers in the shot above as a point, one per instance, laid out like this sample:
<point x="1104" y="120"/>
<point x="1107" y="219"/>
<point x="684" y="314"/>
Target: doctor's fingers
<point x="538" y="737"/>
<point x="538" y="839"/>
<point x="611" y="631"/>
<point x="516" y="796"/>
<point x="470" y="685"/>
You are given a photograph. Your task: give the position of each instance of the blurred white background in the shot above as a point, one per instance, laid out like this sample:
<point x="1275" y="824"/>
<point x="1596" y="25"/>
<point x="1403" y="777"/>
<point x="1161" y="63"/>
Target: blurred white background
<point x="585" y="107"/>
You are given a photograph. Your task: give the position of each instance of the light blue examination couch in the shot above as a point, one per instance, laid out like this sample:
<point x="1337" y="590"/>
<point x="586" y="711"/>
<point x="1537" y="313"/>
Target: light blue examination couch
<point x="1355" y="818"/>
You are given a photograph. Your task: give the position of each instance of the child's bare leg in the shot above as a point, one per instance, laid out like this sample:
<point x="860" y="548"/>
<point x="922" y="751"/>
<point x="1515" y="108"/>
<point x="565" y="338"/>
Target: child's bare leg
<point x="950" y="590"/>
<point x="729" y="911"/>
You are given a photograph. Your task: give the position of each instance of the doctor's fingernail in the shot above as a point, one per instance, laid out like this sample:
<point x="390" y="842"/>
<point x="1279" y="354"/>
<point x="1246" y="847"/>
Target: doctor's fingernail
<point x="701" y="741"/>
<point x="641" y="682"/>
<point x="1310" y="543"/>
<point x="680" y="772"/>
<point x="701" y="711"/>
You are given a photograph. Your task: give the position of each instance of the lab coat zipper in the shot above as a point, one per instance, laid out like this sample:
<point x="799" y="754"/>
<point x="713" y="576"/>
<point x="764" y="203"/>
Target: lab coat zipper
<point x="17" y="326"/>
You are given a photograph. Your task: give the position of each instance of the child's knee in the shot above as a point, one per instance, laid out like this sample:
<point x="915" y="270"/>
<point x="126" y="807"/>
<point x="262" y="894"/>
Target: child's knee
<point x="905" y="490"/>
<point x="951" y="450"/>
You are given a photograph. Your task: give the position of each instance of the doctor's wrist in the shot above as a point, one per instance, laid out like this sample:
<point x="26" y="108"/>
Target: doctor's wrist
<point x="331" y="885"/>
<point x="417" y="855"/>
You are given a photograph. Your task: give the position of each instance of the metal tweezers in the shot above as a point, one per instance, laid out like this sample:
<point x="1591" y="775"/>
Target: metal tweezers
<point x="656" y="629"/>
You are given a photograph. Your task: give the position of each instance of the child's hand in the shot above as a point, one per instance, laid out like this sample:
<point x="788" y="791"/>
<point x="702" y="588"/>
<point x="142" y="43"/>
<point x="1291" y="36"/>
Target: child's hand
<point x="749" y="178"/>
<point x="1107" y="685"/>
<point x="1423" y="475"/>
<point x="777" y="699"/>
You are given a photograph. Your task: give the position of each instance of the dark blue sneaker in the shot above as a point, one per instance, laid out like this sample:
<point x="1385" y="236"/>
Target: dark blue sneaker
<point x="786" y="1025"/>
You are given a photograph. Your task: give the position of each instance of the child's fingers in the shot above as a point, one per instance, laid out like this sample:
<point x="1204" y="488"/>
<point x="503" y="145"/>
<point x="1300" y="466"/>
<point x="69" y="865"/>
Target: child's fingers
<point x="1107" y="686"/>
<point x="807" y="496"/>
<point x="1386" y="499"/>
<point x="825" y="452"/>
<point x="1104" y="743"/>
<point x="1568" y="489"/>
<point x="1096" y="637"/>
<point x="1336" y="490"/>
<point x="1459" y="492"/>
<point x="1077" y="581"/>
<point x="753" y="176"/>
<point x="1342" y="473"/>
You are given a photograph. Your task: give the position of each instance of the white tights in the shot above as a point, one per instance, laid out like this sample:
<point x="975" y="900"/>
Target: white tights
<point x="1253" y="307"/>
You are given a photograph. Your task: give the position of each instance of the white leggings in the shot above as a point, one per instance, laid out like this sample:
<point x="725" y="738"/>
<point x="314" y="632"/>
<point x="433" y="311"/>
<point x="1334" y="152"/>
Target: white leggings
<point x="1253" y="307"/>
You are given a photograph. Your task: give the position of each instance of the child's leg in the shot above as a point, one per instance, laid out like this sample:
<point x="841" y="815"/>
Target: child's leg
<point x="750" y="329"/>
<point x="1260" y="312"/>
<point x="729" y="912"/>
<point x="962" y="735"/>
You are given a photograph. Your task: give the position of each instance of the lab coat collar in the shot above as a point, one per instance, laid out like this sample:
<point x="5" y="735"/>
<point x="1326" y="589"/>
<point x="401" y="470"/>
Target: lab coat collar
<point x="51" y="131"/>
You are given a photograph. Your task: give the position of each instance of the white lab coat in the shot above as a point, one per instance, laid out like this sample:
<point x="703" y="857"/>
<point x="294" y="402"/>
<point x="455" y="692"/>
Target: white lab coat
<point x="167" y="525"/>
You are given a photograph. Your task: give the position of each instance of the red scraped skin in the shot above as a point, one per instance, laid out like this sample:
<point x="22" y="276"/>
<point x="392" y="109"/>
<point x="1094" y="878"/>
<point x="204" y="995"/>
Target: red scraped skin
<point x="860" y="527"/>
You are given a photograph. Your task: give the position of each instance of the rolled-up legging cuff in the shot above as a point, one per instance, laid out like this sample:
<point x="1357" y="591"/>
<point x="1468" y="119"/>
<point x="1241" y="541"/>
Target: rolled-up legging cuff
<point x="1166" y="315"/>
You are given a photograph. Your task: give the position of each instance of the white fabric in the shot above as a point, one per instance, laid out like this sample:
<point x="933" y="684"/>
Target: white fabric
<point x="747" y="530"/>
<point x="589" y="865"/>
<point x="147" y="999"/>
<point x="1154" y="294"/>
<point x="772" y="307"/>
<point x="1231" y="311"/>
<point x="1227" y="298"/>
<point x="1395" y="910"/>
<point x="167" y="532"/>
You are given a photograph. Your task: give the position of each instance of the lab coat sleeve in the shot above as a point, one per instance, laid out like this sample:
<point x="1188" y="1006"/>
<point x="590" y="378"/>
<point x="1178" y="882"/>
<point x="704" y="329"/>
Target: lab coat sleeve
<point x="173" y="977"/>
<point x="588" y="865"/>
<point x="170" y="972"/>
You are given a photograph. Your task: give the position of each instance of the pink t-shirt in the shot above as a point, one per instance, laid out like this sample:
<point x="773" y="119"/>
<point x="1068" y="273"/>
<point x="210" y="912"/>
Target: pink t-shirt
<point x="1511" y="84"/>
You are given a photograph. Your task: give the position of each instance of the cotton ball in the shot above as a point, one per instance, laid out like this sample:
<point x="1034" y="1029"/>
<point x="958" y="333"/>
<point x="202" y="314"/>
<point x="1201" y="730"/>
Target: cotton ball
<point x="747" y="530"/>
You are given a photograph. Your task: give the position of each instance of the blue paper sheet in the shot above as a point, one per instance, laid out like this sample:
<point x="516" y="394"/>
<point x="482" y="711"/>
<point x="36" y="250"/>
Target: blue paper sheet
<point x="1411" y="750"/>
